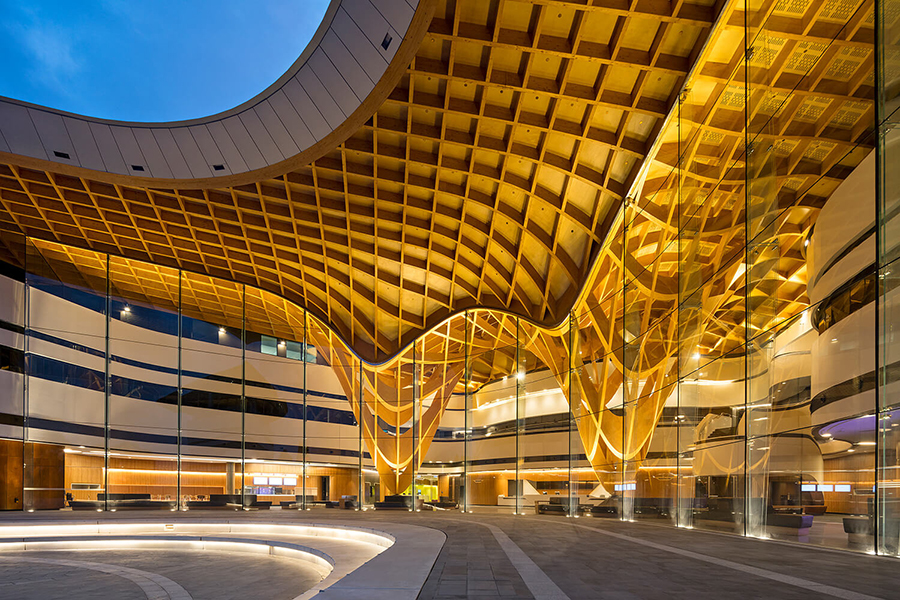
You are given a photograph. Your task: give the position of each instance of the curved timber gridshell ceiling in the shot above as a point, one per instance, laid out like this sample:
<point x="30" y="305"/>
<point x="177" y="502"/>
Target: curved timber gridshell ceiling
<point x="419" y="159"/>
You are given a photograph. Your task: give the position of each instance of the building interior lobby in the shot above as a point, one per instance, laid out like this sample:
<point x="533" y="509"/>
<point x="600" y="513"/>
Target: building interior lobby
<point x="468" y="271"/>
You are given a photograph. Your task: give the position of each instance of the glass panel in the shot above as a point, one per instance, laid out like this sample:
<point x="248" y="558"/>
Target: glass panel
<point x="583" y="482"/>
<point x="212" y="400"/>
<point x="544" y="476"/>
<point x="888" y="224"/>
<point x="12" y="368"/>
<point x="143" y="399"/>
<point x="400" y="393"/>
<point x="493" y="419"/>
<point x="274" y="388"/>
<point x="597" y="384"/>
<point x="332" y="432"/>
<point x="441" y="422"/>
<point x="66" y="369"/>
<point x="808" y="122"/>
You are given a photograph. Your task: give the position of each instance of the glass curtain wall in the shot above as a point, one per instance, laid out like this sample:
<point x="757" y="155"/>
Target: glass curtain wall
<point x="887" y="318"/>
<point x="213" y="398"/>
<point x="12" y="368"/>
<point x="143" y="412"/>
<point x="150" y="387"/>
<point x="274" y="376"/>
<point x="65" y="366"/>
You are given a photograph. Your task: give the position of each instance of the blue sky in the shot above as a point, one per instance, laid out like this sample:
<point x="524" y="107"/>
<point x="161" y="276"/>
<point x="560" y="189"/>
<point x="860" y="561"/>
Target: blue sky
<point x="149" y="60"/>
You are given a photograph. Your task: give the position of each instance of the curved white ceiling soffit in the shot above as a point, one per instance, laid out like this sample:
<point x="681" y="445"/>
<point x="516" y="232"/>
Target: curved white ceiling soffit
<point x="352" y="63"/>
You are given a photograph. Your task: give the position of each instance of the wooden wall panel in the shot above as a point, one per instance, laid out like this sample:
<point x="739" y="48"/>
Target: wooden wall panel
<point x="11" y="474"/>
<point x="44" y="476"/>
<point x="487" y="486"/>
<point x="342" y="482"/>
<point x="84" y="468"/>
<point x="859" y="471"/>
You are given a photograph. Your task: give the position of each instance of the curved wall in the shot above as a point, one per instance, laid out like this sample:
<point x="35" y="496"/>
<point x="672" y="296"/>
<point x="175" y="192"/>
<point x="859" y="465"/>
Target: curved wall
<point x="347" y="57"/>
<point x="65" y="407"/>
<point x="843" y="241"/>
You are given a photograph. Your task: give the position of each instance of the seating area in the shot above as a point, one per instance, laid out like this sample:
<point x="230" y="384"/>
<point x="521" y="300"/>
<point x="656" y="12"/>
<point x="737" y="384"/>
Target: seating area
<point x="396" y="502"/>
<point x="556" y="505"/>
<point x="230" y="501"/>
<point x="444" y="503"/>
<point x="655" y="507"/>
<point x="122" y="501"/>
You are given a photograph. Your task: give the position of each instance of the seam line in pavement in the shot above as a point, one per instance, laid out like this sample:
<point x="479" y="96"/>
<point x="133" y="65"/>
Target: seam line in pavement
<point x="154" y="586"/>
<point x="540" y="585"/>
<point x="820" y="588"/>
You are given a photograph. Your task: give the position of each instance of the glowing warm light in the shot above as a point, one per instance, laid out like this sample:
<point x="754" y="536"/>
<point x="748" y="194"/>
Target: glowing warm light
<point x="113" y="470"/>
<point x="707" y="382"/>
<point x="661" y="468"/>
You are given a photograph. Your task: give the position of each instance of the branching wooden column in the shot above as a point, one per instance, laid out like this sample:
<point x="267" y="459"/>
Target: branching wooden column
<point x="398" y="425"/>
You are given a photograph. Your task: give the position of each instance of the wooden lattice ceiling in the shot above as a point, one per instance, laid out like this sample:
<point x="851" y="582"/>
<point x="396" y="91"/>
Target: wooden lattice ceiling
<point x="489" y="177"/>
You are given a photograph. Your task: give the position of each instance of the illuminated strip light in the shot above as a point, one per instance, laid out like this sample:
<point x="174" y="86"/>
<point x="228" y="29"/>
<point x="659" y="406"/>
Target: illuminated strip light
<point x="27" y="533"/>
<point x="208" y="459"/>
<point x="664" y="468"/>
<point x="216" y="473"/>
<point x="553" y="471"/>
<point x="154" y="471"/>
<point x="525" y="397"/>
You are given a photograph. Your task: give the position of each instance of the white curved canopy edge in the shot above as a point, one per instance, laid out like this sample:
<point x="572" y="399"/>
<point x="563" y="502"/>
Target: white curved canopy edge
<point x="348" y="55"/>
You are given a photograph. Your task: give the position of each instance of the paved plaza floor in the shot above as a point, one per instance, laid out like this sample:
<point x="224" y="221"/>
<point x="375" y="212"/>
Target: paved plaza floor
<point x="483" y="556"/>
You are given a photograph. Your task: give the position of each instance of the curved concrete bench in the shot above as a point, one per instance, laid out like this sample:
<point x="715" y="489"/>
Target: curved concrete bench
<point x="391" y="569"/>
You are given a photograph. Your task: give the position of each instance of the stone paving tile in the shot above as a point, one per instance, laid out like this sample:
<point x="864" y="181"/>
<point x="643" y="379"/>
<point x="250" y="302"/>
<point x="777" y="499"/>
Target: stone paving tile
<point x="205" y="575"/>
<point x="471" y="565"/>
<point x="31" y="581"/>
